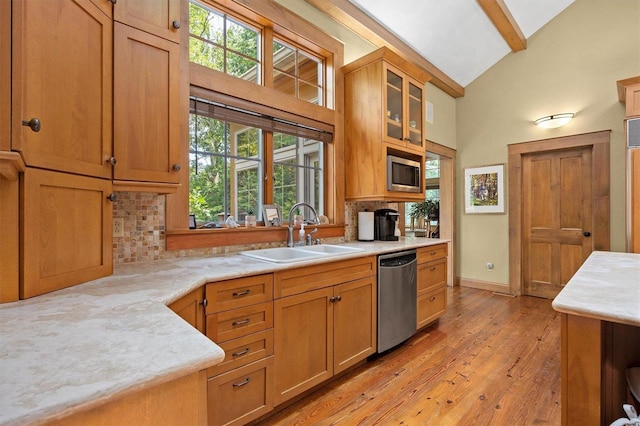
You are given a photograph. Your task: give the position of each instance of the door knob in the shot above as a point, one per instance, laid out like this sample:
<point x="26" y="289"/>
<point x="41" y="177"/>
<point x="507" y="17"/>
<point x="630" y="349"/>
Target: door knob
<point x="586" y="233"/>
<point x="33" y="124"/>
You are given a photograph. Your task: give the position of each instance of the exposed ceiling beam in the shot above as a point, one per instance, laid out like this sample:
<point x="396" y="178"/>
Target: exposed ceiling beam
<point x="499" y="14"/>
<point x="366" y="27"/>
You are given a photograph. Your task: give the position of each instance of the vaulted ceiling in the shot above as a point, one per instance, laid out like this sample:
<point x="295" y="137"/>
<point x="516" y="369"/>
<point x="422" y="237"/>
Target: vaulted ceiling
<point x="455" y="41"/>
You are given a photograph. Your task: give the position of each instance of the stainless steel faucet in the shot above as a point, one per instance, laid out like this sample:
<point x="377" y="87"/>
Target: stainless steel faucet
<point x="295" y="206"/>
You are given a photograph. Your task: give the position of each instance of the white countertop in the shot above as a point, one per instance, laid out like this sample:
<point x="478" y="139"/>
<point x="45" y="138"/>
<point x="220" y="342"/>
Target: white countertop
<point x="86" y="345"/>
<point x="606" y="287"/>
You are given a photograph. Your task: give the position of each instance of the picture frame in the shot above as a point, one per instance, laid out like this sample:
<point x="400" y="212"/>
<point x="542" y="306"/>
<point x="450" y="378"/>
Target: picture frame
<point x="271" y="215"/>
<point x="192" y="221"/>
<point x="484" y="189"/>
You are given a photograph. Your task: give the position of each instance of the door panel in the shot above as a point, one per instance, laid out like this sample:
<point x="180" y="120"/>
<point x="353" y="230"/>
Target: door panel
<point x="557" y="218"/>
<point x="62" y="75"/>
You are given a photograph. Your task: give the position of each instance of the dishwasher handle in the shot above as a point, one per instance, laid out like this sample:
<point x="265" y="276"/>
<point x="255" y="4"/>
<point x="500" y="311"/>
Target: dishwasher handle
<point x="397" y="259"/>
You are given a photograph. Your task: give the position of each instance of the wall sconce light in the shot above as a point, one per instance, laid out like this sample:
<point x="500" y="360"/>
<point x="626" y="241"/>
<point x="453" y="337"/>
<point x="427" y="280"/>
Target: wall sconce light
<point x="556" y="120"/>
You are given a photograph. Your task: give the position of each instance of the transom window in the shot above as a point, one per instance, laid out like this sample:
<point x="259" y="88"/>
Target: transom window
<point x="297" y="73"/>
<point x="219" y="42"/>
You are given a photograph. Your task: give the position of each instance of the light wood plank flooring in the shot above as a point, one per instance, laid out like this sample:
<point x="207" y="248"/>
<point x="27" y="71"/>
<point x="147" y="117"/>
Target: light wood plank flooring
<point x="491" y="360"/>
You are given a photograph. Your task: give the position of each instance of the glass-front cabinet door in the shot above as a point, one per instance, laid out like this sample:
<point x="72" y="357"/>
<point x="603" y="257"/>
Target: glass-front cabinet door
<point x="403" y="119"/>
<point x="415" y="137"/>
<point x="395" y="108"/>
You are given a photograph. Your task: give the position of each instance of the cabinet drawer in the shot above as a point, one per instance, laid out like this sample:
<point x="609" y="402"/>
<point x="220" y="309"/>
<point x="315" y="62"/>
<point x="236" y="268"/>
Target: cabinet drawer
<point x="432" y="275"/>
<point x="300" y="280"/>
<point x="231" y="294"/>
<point x="427" y="254"/>
<point x="228" y="325"/>
<point x="244" y="350"/>
<point x="241" y="395"/>
<point x="431" y="307"/>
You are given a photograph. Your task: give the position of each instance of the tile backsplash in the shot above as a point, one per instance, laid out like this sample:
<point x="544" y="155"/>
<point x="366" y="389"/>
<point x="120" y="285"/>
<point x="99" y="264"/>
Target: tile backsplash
<point x="144" y="228"/>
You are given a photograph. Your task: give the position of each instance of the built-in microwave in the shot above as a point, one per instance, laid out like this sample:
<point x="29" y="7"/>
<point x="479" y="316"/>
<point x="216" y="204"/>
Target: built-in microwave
<point x="403" y="174"/>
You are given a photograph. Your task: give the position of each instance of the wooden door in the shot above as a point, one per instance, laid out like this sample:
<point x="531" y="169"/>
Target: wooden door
<point x="62" y="76"/>
<point x="66" y="228"/>
<point x="303" y="327"/>
<point x="557" y="218"/>
<point x="354" y="322"/>
<point x="159" y="17"/>
<point x="146" y="106"/>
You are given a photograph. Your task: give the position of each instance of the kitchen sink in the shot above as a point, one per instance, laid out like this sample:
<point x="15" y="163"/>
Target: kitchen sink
<point x="329" y="249"/>
<point x="299" y="254"/>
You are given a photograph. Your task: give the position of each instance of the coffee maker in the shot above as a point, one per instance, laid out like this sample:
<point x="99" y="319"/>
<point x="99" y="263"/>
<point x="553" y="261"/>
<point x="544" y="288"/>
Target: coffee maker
<point x="385" y="225"/>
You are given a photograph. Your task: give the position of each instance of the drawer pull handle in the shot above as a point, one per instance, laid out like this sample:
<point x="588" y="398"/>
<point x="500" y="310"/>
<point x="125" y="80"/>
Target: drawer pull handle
<point x="432" y="298"/>
<point x="245" y="382"/>
<point x="241" y="293"/>
<point x="240" y="353"/>
<point x="433" y="253"/>
<point x="241" y="322"/>
<point x="433" y="268"/>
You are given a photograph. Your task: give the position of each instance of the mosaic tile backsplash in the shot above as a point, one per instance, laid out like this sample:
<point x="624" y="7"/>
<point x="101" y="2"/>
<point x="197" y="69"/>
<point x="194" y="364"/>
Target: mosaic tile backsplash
<point x="144" y="228"/>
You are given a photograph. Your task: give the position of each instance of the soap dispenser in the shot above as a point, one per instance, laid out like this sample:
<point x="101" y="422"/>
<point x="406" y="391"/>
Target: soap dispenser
<point x="301" y="234"/>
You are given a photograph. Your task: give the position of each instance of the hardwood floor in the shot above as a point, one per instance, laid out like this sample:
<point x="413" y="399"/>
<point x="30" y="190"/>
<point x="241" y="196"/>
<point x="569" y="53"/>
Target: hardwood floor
<point x="491" y="360"/>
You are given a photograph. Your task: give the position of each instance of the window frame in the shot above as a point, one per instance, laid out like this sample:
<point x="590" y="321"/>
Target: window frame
<point x="306" y="35"/>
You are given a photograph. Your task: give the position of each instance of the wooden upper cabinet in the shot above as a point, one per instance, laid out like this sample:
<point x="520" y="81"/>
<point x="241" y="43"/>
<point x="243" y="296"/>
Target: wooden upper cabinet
<point x="158" y="17"/>
<point x="384" y="115"/>
<point x="147" y="107"/>
<point x="66" y="232"/>
<point x="62" y="86"/>
<point x="404" y="102"/>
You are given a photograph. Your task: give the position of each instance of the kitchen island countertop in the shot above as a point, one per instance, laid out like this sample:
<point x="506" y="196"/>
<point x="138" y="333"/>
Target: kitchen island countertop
<point x="83" y="346"/>
<point x="606" y="287"/>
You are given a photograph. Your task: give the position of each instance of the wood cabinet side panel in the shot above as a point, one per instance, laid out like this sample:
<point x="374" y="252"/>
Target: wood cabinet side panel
<point x="582" y="346"/>
<point x="9" y="241"/>
<point x="181" y="401"/>
<point x="190" y="308"/>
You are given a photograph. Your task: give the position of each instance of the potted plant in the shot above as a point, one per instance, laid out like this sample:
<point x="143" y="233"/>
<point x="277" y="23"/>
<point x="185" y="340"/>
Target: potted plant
<point x="250" y="219"/>
<point x="427" y="209"/>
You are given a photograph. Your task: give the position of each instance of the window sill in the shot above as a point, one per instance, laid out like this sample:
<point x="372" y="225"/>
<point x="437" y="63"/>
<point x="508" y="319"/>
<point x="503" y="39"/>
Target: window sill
<point x="202" y="238"/>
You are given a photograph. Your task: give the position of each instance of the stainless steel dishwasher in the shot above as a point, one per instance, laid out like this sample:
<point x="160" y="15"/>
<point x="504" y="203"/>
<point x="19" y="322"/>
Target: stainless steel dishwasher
<point x="397" y="297"/>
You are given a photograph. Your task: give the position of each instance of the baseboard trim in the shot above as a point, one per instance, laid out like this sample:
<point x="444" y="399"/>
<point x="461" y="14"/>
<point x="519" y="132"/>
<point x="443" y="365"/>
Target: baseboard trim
<point x="502" y="289"/>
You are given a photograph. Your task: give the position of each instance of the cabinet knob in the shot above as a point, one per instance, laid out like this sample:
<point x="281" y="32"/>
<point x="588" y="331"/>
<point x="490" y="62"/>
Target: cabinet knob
<point x="204" y="303"/>
<point x="176" y="24"/>
<point x="33" y="124"/>
<point x="112" y="197"/>
<point x="113" y="161"/>
<point x="176" y="167"/>
<point x="407" y="140"/>
<point x="586" y="233"/>
<point x="432" y="299"/>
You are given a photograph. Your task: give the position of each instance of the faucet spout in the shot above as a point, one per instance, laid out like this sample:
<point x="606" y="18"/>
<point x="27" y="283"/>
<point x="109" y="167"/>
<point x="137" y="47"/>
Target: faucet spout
<point x="295" y="206"/>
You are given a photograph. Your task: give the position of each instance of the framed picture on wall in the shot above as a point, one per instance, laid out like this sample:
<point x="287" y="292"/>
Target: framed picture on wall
<point x="484" y="189"/>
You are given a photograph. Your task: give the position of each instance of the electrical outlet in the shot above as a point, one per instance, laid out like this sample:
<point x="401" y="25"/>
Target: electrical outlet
<point x="118" y="227"/>
<point x="489" y="266"/>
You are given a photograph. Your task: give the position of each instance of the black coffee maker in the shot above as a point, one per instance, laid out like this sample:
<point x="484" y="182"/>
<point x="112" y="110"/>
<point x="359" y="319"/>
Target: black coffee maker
<point x="385" y="225"/>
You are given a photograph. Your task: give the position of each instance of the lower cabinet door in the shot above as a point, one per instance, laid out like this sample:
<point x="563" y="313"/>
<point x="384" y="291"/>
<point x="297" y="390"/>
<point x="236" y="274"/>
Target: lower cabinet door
<point x="241" y="395"/>
<point x="67" y="231"/>
<point x="354" y="322"/>
<point x="431" y="306"/>
<point x="303" y="326"/>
